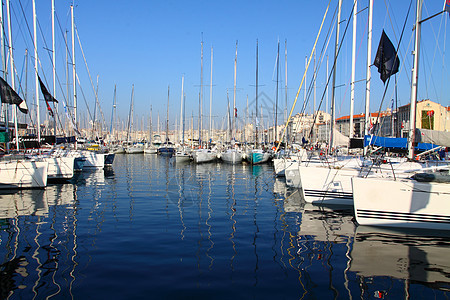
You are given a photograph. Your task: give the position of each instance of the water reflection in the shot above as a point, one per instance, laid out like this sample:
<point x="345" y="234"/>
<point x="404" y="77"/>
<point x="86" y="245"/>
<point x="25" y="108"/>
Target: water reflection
<point x="413" y="258"/>
<point x="34" y="240"/>
<point x="361" y="261"/>
<point x="201" y="231"/>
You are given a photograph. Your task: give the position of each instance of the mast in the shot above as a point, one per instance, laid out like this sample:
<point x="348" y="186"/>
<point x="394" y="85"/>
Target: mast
<point x="167" y="116"/>
<point x="233" y="129"/>
<point x="304" y="95"/>
<point x="182" y="110"/>
<point x="2" y="41"/>
<point x="130" y="117"/>
<point x="326" y="99"/>
<point x="184" y="113"/>
<point x="368" y="74"/>
<point x="74" y="74"/>
<point x="200" y="98"/>
<point x="352" y="83"/>
<point x="67" y="80"/>
<point x="13" y="85"/>
<point x="210" y="99"/>
<point x="54" y="67"/>
<point x="229" y="119"/>
<point x="415" y="73"/>
<point x="150" y="138"/>
<point x="256" y="99"/>
<point x="276" y="97"/>
<point x="286" y="90"/>
<point x="333" y="110"/>
<point x="38" y="112"/>
<point x="314" y="86"/>
<point x="113" y="119"/>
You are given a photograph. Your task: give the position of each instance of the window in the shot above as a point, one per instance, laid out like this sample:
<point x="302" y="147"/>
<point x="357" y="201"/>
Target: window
<point x="428" y="119"/>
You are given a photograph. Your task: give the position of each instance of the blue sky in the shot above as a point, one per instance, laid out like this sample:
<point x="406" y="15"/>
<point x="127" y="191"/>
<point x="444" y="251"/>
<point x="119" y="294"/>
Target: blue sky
<point x="151" y="44"/>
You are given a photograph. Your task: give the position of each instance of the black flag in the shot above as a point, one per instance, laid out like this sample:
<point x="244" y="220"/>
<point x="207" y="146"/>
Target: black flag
<point x="9" y="96"/>
<point x="47" y="96"/>
<point x="386" y="59"/>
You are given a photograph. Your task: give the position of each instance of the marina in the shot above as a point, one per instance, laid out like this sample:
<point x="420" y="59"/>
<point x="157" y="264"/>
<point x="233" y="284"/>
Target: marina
<point x="149" y="226"/>
<point x="259" y="194"/>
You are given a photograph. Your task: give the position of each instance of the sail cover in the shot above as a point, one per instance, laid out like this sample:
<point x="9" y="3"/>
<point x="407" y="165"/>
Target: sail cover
<point x="396" y="143"/>
<point x="441" y="138"/>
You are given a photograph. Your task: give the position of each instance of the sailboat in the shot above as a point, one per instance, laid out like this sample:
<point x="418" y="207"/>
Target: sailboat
<point x="233" y="155"/>
<point x="258" y="155"/>
<point x="167" y="149"/>
<point x="203" y="155"/>
<point x="18" y="172"/>
<point x="149" y="147"/>
<point x="421" y="201"/>
<point x="181" y="155"/>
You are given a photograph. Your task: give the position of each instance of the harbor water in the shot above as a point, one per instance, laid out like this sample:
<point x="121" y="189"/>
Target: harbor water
<point x="148" y="228"/>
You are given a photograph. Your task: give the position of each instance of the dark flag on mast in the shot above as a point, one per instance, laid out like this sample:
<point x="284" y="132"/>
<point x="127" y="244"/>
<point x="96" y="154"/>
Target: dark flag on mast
<point x="386" y="59"/>
<point x="47" y="96"/>
<point x="9" y="96"/>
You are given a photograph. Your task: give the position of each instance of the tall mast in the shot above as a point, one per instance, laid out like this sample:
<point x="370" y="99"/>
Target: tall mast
<point x="150" y="138"/>
<point x="167" y="116"/>
<point x="352" y="83"/>
<point x="305" y="90"/>
<point x="256" y="99"/>
<point x="333" y="110"/>
<point x="67" y="77"/>
<point x="285" y="89"/>
<point x="326" y="99"/>
<point x="130" y="117"/>
<point x="200" y="99"/>
<point x="314" y="85"/>
<point x="234" y="99"/>
<point x="13" y="85"/>
<point x="114" y="116"/>
<point x="368" y="74"/>
<point x="38" y="117"/>
<point x="74" y="74"/>
<point x="2" y="40"/>
<point x="210" y="98"/>
<point x="182" y="110"/>
<point x="54" y="65"/>
<point x="276" y="97"/>
<point x="415" y="73"/>
<point x="184" y="113"/>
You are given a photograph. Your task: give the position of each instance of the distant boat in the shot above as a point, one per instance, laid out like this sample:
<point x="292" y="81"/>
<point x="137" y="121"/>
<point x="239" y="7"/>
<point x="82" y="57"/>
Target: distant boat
<point x="232" y="156"/>
<point x="167" y="149"/>
<point x="136" y="148"/>
<point x="182" y="156"/>
<point x="152" y="146"/>
<point x="204" y="155"/>
<point x="258" y="155"/>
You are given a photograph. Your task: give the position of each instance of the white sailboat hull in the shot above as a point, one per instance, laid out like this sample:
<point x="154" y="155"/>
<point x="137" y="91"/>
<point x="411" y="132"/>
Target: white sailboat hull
<point x="204" y="156"/>
<point x="23" y="174"/>
<point x="321" y="185"/>
<point x="232" y="156"/>
<point x="402" y="203"/>
<point x="94" y="160"/>
<point x="60" y="167"/>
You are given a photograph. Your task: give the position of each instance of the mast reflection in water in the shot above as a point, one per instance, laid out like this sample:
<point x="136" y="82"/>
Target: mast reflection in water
<point x="150" y="228"/>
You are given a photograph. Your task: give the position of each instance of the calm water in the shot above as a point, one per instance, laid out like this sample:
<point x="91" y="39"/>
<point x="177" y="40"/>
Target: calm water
<point x="151" y="229"/>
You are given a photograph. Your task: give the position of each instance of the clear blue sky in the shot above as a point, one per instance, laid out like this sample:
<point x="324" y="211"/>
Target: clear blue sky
<point x="151" y="44"/>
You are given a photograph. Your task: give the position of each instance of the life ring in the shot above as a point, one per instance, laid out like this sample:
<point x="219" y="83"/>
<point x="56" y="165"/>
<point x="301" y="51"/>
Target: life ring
<point x="274" y="148"/>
